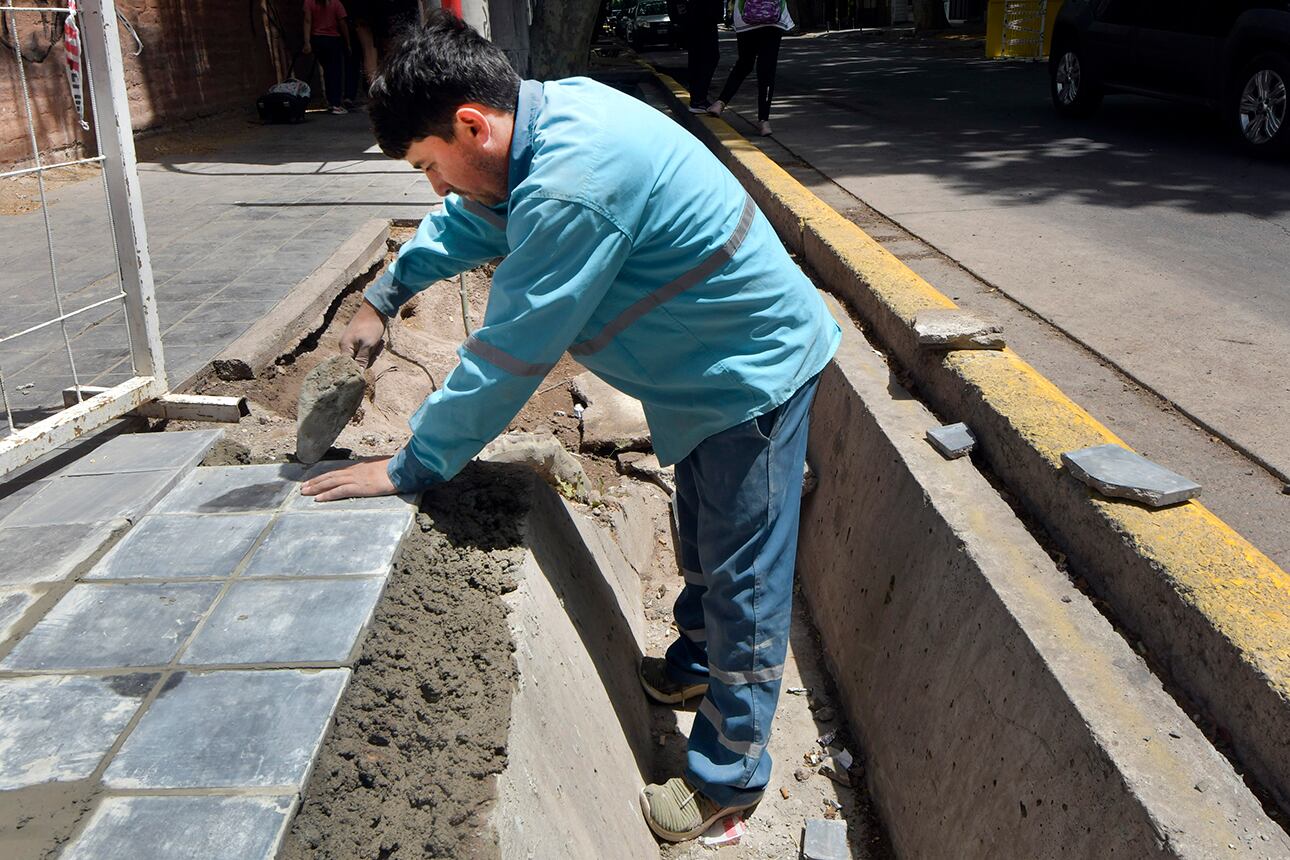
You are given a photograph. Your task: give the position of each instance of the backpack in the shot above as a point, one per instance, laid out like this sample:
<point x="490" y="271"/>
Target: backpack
<point x="759" y="12"/>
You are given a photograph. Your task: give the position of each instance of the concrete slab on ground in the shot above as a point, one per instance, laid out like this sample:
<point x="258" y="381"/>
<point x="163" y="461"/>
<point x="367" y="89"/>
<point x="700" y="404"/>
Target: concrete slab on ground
<point x="59" y="728"/>
<point x="114" y="626"/>
<point x="192" y="827"/>
<point x="32" y="554"/>
<point x="230" y="729"/>
<point x="304" y="621"/>
<point x="14" y="603"/>
<point x="342" y="543"/>
<point x="93" y="498"/>
<point x="146" y="452"/>
<point x="612" y="421"/>
<point x="173" y="546"/>
<point x="232" y="489"/>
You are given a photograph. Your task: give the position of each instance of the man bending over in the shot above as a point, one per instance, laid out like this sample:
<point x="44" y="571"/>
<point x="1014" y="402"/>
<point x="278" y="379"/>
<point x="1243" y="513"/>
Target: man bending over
<point x="628" y="245"/>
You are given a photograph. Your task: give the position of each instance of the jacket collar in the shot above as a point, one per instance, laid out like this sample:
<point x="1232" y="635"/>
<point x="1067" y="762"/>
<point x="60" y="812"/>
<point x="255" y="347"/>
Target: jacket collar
<point x="526" y="114"/>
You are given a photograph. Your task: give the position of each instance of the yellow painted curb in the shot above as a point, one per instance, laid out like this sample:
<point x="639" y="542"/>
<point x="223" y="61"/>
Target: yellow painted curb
<point x="1208" y="603"/>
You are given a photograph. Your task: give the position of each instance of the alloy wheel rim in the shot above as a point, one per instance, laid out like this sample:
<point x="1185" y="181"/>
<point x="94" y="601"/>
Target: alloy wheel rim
<point x="1068" y="75"/>
<point x="1263" y="106"/>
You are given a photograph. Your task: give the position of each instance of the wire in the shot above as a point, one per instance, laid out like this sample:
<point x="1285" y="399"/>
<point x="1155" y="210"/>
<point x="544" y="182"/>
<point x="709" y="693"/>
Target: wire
<point x="133" y="32"/>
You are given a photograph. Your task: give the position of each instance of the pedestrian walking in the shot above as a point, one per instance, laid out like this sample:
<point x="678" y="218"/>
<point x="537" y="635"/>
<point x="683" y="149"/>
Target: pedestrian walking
<point x="327" y="38"/>
<point x="699" y="23"/>
<point x="759" y="27"/>
<point x="627" y="244"/>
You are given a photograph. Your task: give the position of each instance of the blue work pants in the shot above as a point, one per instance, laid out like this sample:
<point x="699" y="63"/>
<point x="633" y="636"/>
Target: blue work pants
<point x="738" y="498"/>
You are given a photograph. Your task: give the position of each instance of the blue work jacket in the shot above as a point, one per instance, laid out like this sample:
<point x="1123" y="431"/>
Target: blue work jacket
<point x="629" y="245"/>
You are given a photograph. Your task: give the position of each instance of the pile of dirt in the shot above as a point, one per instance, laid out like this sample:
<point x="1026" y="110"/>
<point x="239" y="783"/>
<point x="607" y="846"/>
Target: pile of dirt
<point x="410" y="767"/>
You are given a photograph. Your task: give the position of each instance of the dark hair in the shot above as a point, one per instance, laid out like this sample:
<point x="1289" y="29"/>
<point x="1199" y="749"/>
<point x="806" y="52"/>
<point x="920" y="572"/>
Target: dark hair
<point x="438" y="67"/>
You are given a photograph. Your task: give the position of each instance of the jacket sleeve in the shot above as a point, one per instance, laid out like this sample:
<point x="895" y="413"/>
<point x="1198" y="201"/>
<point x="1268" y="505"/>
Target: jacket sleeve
<point x="450" y="240"/>
<point x="565" y="257"/>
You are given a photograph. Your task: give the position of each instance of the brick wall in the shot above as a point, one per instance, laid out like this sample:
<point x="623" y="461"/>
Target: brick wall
<point x="200" y="57"/>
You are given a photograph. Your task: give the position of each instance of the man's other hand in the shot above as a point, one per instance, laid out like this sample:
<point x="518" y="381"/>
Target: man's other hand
<point x="368" y="478"/>
<point x="364" y="337"/>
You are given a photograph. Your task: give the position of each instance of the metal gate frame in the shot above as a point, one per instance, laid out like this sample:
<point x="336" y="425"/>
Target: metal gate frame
<point x="103" y="71"/>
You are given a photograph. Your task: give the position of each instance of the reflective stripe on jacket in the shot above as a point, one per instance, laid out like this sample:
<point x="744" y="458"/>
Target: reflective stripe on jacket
<point x="627" y="244"/>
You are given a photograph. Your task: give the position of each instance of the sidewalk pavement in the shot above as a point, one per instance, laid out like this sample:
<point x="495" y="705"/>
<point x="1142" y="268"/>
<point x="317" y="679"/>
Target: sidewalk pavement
<point x="201" y="658"/>
<point x="230" y="234"/>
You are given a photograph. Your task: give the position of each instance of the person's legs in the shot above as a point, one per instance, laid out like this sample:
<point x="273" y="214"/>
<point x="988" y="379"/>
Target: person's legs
<point x="767" y="59"/>
<point x="367" y="46"/>
<point x="687" y="657"/>
<point x="704" y="50"/>
<point x="350" y="58"/>
<point x="743" y="65"/>
<point x="329" y="53"/>
<point x="749" y="483"/>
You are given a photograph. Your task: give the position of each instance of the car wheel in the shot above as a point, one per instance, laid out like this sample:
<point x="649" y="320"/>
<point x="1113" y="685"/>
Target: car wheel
<point x="1259" y="106"/>
<point x="1075" y="92"/>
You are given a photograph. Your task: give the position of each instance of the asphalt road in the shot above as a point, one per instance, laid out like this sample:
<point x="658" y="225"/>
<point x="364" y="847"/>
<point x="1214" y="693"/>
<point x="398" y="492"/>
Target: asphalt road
<point x="1138" y="248"/>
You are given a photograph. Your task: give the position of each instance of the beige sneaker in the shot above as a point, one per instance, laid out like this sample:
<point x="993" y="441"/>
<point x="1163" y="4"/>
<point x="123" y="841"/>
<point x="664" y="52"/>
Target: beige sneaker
<point x="660" y="687"/>
<point x="716" y="108"/>
<point x="676" y="812"/>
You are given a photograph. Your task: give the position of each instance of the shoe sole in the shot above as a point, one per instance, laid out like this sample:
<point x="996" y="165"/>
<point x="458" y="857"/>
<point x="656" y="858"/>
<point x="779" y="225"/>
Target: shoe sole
<point x="694" y="691"/>
<point x="748" y="808"/>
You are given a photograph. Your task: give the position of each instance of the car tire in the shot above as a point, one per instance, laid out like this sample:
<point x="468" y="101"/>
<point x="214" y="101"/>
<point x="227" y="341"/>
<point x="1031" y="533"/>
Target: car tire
<point x="1075" y="92"/>
<point x="1258" y="105"/>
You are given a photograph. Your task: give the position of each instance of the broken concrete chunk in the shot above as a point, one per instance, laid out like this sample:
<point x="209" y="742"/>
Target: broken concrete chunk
<point x="612" y="421"/>
<point x="952" y="440"/>
<point x="951" y="328"/>
<point x="330" y="394"/>
<point x="645" y="467"/>
<point x="547" y="457"/>
<point x="1119" y="472"/>
<point x="825" y="840"/>
<point x="809" y="479"/>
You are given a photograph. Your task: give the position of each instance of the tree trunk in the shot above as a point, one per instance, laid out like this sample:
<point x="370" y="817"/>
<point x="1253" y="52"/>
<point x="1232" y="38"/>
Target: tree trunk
<point x="560" y="37"/>
<point x="930" y="15"/>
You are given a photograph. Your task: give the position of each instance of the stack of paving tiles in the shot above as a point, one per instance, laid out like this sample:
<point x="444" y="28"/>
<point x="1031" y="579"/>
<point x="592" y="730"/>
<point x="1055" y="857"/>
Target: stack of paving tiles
<point x="193" y="670"/>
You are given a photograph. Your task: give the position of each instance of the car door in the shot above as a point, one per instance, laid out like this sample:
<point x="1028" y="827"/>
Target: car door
<point x="1111" y="40"/>
<point x="1178" y="46"/>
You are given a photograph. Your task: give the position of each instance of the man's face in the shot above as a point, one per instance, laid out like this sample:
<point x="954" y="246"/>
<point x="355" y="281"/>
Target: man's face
<point x="474" y="164"/>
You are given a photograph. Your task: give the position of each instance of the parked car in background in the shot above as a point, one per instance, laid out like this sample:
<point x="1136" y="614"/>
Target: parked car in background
<point x="649" y="24"/>
<point x="1232" y="56"/>
<point x="615" y="17"/>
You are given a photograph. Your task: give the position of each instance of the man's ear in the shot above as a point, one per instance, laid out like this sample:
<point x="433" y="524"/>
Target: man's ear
<point x="473" y="125"/>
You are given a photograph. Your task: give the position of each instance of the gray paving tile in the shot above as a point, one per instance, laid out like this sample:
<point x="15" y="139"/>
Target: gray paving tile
<point x="330" y="544"/>
<point x="13" y="495"/>
<point x="14" y="603"/>
<point x="226" y="729"/>
<point x="32" y="554"/>
<point x="147" y="452"/>
<point x="59" y="728"/>
<point x="309" y="620"/>
<point x="178" y="546"/>
<point x="93" y="498"/>
<point x="188" y="827"/>
<point x="297" y="502"/>
<point x="109" y="626"/>
<point x="232" y="489"/>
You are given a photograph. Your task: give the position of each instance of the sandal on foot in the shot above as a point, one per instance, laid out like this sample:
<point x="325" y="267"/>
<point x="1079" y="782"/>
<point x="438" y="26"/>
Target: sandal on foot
<point x="660" y="687"/>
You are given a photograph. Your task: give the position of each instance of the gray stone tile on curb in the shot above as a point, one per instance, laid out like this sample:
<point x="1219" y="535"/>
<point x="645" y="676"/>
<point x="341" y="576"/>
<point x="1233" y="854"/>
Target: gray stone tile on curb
<point x="232" y="489"/>
<point x="59" y="728"/>
<point x="93" y="498"/>
<point x="14" y="603"/>
<point x="173" y="546"/>
<point x="1119" y="472"/>
<point x="825" y="840"/>
<point x="330" y="544"/>
<point x="206" y="827"/>
<point x="147" y="452"/>
<point x="31" y="554"/>
<point x="111" y="626"/>
<point x="952" y="328"/>
<point x="14" y="494"/>
<point x="307" y="620"/>
<point x="952" y="440"/>
<point x="230" y="729"/>
<point x="297" y="502"/>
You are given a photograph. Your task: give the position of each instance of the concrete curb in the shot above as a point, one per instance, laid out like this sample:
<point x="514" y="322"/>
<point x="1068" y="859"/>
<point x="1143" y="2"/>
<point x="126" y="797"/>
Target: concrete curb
<point x="1001" y="713"/>
<point x="1212" y="609"/>
<point x="302" y="309"/>
<point x="579" y="747"/>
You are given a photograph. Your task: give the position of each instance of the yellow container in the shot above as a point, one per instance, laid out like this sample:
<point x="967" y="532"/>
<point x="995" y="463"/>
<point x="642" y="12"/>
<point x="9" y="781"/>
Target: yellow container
<point x="1020" y="28"/>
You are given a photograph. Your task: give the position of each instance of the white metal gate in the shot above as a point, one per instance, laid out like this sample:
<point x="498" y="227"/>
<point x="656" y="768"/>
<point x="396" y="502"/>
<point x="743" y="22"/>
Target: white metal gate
<point x="104" y="80"/>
